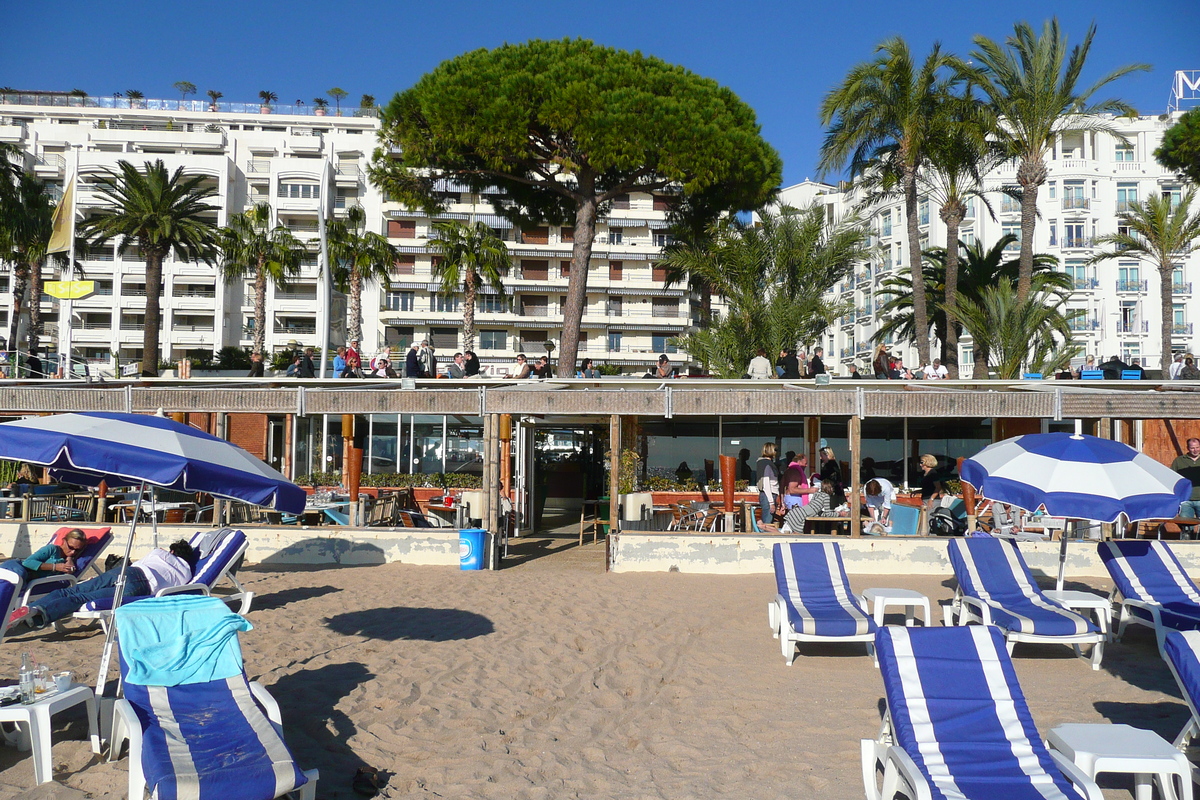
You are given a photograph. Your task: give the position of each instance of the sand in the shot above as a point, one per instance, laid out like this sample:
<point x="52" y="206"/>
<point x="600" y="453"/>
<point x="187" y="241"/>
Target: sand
<point x="560" y="681"/>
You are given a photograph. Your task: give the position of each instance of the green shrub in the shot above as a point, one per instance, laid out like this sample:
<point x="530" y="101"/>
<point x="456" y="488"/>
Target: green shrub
<point x="232" y="358"/>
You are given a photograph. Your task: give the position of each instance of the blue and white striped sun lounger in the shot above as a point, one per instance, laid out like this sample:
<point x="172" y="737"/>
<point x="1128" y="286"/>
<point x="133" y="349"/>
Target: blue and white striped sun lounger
<point x="1181" y="649"/>
<point x="1151" y="587"/>
<point x="996" y="588"/>
<point x="815" y="602"/>
<point x="216" y="736"/>
<point x="957" y="724"/>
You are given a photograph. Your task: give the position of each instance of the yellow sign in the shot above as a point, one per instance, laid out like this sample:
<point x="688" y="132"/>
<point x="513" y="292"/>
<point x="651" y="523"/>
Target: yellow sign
<point x="70" y="290"/>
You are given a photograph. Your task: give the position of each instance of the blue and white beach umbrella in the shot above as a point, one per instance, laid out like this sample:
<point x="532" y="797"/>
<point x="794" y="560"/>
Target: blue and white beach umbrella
<point x="130" y="449"/>
<point x="1076" y="476"/>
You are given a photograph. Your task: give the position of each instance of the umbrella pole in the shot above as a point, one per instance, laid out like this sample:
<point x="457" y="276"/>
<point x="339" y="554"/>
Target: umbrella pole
<point x="1062" y="557"/>
<point x="111" y="633"/>
<point x="154" y="515"/>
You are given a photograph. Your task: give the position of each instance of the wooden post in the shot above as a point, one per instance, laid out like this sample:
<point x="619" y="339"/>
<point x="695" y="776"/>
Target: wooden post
<point x="505" y="436"/>
<point x="486" y="487"/>
<point x="494" y="507"/>
<point x="614" y="486"/>
<point x="855" y="489"/>
<point x="1104" y="428"/>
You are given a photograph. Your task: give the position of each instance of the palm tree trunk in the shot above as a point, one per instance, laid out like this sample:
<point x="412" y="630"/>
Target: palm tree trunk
<point x="19" y="288"/>
<point x="1167" y="299"/>
<point x="355" y="304"/>
<point x="581" y="255"/>
<point x="469" y="307"/>
<point x="980" y="354"/>
<point x="150" y="354"/>
<point x="1030" y="175"/>
<point x="950" y="359"/>
<point x="920" y="307"/>
<point x="260" y="306"/>
<point x="35" y="307"/>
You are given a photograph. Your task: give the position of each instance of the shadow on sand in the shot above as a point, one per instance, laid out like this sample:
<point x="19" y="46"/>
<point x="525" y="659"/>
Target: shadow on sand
<point x="399" y="622"/>
<point x="295" y="595"/>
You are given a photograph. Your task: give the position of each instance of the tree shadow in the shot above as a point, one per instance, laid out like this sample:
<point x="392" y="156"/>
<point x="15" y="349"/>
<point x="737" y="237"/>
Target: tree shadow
<point x="315" y="730"/>
<point x="328" y="550"/>
<point x="1164" y="718"/>
<point x="399" y="622"/>
<point x="297" y="594"/>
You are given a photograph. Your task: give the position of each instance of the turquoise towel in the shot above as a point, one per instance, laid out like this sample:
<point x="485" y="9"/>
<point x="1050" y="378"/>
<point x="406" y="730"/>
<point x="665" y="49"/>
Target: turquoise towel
<point x="171" y="641"/>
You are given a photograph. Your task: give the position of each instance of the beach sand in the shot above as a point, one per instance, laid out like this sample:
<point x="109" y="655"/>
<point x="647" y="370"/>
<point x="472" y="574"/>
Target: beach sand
<point x="555" y="680"/>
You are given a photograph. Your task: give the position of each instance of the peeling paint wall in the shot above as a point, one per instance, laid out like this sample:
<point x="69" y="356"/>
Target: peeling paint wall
<point x="286" y="545"/>
<point x="743" y="555"/>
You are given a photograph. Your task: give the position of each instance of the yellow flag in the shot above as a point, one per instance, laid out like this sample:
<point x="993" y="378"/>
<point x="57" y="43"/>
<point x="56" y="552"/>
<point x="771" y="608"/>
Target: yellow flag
<point x="63" y="230"/>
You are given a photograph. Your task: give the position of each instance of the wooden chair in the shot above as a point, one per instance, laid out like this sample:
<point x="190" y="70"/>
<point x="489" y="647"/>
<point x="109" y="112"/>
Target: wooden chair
<point x="589" y="521"/>
<point x="174" y="516"/>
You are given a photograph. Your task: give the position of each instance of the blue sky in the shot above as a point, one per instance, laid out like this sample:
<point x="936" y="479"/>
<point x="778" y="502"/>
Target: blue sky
<point x="780" y="57"/>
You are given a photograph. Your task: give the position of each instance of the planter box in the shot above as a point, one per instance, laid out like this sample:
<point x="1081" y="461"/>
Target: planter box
<point x="670" y="498"/>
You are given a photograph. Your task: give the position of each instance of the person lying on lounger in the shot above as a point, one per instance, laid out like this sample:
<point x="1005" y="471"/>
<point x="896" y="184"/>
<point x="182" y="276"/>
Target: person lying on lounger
<point x="51" y="558"/>
<point x="158" y="570"/>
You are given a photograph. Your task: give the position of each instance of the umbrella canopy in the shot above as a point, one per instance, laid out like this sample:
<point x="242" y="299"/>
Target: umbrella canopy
<point x="129" y="449"/>
<point x="1072" y="475"/>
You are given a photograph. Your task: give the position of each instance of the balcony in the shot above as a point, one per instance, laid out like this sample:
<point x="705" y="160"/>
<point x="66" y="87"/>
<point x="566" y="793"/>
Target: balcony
<point x="847" y="353"/>
<point x="1125" y="206"/>
<point x="258" y="166"/>
<point x="49" y="165"/>
<point x="195" y="292"/>
<point x="1131" y="286"/>
<point x="1182" y="329"/>
<point x="1133" y="326"/>
<point x="133" y="324"/>
<point x="544" y="311"/>
<point x="199" y="328"/>
<point x="1077" y="203"/>
<point x="862" y="348"/>
<point x="1085" y="284"/>
<point x="1077" y="242"/>
<point x="1181" y="288"/>
<point x="863" y="278"/>
<point x="1083" y="324"/>
<point x="11" y="131"/>
<point x="295" y="330"/>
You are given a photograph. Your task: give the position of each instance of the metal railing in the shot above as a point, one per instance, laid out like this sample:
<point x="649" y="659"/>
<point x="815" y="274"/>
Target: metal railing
<point x="1076" y="202"/>
<point x="299" y="330"/>
<point x="149" y="104"/>
<point x="1133" y="327"/>
<point x="1182" y="329"/>
<point x="258" y="165"/>
<point x="1131" y="286"/>
<point x="1181" y="288"/>
<point x="54" y="160"/>
<point x="1085" y="283"/>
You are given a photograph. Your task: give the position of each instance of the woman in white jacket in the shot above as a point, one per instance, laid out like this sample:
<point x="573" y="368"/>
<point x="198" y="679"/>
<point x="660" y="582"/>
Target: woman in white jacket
<point x="768" y="484"/>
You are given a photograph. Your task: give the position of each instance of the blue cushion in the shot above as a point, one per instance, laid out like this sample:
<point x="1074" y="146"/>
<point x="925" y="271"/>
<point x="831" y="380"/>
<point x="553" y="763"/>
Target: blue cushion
<point x="1147" y="570"/>
<point x="812" y="580"/>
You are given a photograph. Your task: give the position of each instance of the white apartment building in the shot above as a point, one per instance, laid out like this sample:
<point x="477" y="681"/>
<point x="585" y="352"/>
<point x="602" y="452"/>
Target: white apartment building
<point x="1093" y="176"/>
<point x="280" y="156"/>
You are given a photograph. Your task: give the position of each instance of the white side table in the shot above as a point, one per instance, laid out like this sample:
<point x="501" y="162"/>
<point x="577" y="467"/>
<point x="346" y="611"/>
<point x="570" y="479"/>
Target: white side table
<point x="911" y="600"/>
<point x="37" y="717"/>
<point x="1123" y="748"/>
<point x="1086" y="601"/>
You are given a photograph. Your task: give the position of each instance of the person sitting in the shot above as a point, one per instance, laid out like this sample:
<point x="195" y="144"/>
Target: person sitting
<point x="470" y="364"/>
<point x="51" y="558"/>
<point x="456" y="369"/>
<point x="759" y="368"/>
<point x="542" y="370"/>
<point x="160" y="569"/>
<point x="353" y="368"/>
<point x="521" y="370"/>
<point x="1112" y="368"/>
<point x="664" y="368"/>
<point x="587" y="370"/>
<point x="818" y="506"/>
<point x="383" y="369"/>
<point x="1189" y="371"/>
<point x="936" y="371"/>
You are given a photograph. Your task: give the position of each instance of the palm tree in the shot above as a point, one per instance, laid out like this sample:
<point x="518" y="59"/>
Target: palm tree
<point x="26" y="220"/>
<point x="1033" y="94"/>
<point x="773" y="278"/>
<point x="337" y="94"/>
<point x="959" y="157"/>
<point x="358" y="256"/>
<point x="1163" y="234"/>
<point x="267" y="97"/>
<point x="157" y="212"/>
<point x="979" y="269"/>
<point x="881" y="119"/>
<point x="251" y="247"/>
<point x="184" y="88"/>
<point x="1033" y="333"/>
<point x="471" y="256"/>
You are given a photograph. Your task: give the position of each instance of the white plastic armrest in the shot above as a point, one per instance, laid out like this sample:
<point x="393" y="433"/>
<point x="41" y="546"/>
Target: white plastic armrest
<point x="982" y="610"/>
<point x="188" y="587"/>
<point x="264" y="697"/>
<point x="1077" y="776"/>
<point x="309" y="790"/>
<point x="901" y="762"/>
<point x="133" y="731"/>
<point x="68" y="578"/>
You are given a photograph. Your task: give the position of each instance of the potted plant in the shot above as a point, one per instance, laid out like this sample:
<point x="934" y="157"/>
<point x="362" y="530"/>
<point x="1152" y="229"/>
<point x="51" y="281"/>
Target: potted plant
<point x="213" y="96"/>
<point x="337" y="94"/>
<point x="136" y="98"/>
<point x="319" y="106"/>
<point x="267" y="98"/>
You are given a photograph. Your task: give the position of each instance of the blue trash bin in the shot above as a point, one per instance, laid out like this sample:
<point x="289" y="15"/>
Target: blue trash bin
<point x="472" y="548"/>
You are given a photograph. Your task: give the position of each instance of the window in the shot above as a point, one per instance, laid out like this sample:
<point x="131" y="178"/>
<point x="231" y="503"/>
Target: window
<point x="1130" y="351"/>
<point x="401" y="301"/>
<point x="1053" y="233"/>
<point x="397" y="336"/>
<point x="402" y="229"/>
<point x="966" y="357"/>
<point x="660" y="343"/>
<point x="493" y="304"/>
<point x="614" y="306"/>
<point x="662" y="239"/>
<point x="658" y="273"/>
<point x="1073" y="196"/>
<point x="1078" y="271"/>
<point x="615" y="270"/>
<point x="923" y="212"/>
<point x="535" y="306"/>
<point x="1012" y="229"/>
<point x="1129" y="278"/>
<point x="299" y="191"/>
<point x="564" y="269"/>
<point x="664" y="307"/>
<point x="1073" y="235"/>
<point x="566" y="235"/>
<point x="885" y="224"/>
<point x="443" y="339"/>
<point x="493" y="340"/>
<point x="665" y="203"/>
<point x="967" y="237"/>
<point x="536" y="236"/>
<point x="616" y="235"/>
<point x="899" y="254"/>
<point x="1178" y="315"/>
<point x="1128" y="320"/>
<point x="621" y="201"/>
<point x="1174" y="194"/>
<point x="1124" y="152"/>
<point x="535" y="270"/>
<point x="1052" y="188"/>
<point x="443" y="303"/>
<point x="614" y="341"/>
<point x="406" y="265"/>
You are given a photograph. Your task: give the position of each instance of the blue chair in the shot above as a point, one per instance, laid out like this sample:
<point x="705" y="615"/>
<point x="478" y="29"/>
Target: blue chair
<point x="1131" y="374"/>
<point x="199" y="729"/>
<point x="815" y="602"/>
<point x="1151" y="587"/>
<point x="1182" y="652"/>
<point x="1031" y="376"/>
<point x="906" y="520"/>
<point x="995" y="587"/>
<point x="1091" y="375"/>
<point x="957" y="724"/>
